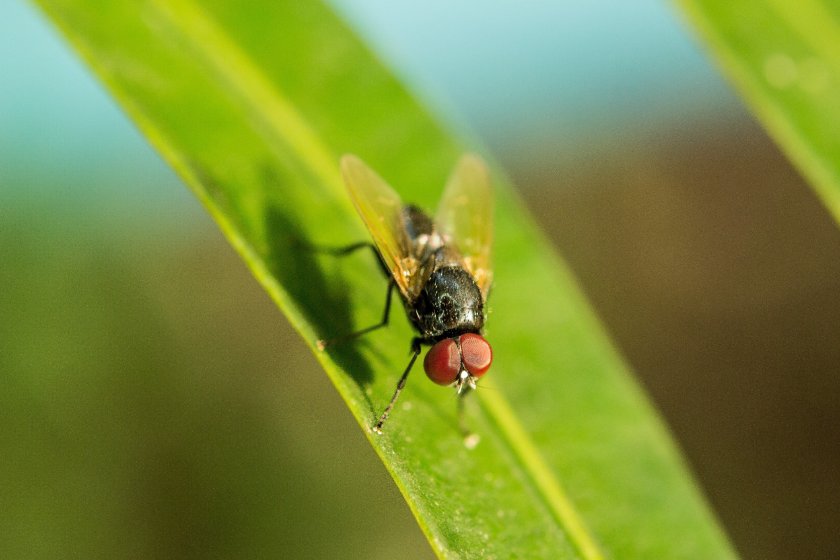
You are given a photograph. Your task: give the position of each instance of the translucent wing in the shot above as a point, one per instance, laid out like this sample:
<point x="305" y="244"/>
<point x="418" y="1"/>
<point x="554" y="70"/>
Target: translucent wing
<point x="465" y="217"/>
<point x="380" y="207"/>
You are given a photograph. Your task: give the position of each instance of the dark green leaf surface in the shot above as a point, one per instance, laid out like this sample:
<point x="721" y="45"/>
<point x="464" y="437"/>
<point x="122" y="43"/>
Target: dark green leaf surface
<point x="253" y="103"/>
<point x="784" y="57"/>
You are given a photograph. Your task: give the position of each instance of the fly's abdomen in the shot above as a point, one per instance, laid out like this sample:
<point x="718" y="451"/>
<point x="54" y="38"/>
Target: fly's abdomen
<point x="450" y="304"/>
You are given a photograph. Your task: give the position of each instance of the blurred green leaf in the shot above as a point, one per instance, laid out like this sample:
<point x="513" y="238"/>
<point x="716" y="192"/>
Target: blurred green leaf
<point x="783" y="58"/>
<point x="252" y="103"/>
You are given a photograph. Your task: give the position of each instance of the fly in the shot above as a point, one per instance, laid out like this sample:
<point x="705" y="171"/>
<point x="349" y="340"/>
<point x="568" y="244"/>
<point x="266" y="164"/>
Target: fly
<point x="441" y="268"/>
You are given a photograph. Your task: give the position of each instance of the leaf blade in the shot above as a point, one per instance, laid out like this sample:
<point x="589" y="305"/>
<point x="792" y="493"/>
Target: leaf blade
<point x="205" y="86"/>
<point x="785" y="66"/>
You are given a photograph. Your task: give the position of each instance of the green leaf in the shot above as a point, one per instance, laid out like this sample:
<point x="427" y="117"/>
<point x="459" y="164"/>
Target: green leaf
<point x="252" y="103"/>
<point x="783" y="57"/>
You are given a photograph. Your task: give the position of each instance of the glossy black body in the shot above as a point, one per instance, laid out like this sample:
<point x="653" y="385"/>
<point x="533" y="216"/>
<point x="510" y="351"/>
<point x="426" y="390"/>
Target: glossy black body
<point x="449" y="303"/>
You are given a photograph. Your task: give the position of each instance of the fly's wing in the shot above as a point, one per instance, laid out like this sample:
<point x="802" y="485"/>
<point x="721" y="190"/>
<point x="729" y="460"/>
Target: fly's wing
<point x="380" y="208"/>
<point x="465" y="217"/>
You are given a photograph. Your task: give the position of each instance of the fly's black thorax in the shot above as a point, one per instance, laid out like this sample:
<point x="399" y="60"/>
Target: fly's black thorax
<point x="449" y="304"/>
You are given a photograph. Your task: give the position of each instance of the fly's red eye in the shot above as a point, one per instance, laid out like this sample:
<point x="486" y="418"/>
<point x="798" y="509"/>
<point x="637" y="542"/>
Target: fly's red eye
<point x="476" y="354"/>
<point x="443" y="362"/>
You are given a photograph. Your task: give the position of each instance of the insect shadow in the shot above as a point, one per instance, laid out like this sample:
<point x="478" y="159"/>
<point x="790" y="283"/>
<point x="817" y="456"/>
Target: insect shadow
<point x="290" y="259"/>
<point x="297" y="264"/>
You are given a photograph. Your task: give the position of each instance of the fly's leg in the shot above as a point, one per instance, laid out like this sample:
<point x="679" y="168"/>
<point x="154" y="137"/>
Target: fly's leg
<point x="347" y="250"/>
<point x="415" y="343"/>
<point x="415" y="351"/>
<point x="350" y="336"/>
<point x="462" y="423"/>
<point x="344" y="251"/>
<point x="471" y="438"/>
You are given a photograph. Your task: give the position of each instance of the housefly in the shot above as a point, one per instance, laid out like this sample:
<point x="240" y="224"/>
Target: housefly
<point x="441" y="268"/>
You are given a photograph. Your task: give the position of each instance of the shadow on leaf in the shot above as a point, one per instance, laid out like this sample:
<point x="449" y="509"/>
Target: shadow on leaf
<point x="296" y="266"/>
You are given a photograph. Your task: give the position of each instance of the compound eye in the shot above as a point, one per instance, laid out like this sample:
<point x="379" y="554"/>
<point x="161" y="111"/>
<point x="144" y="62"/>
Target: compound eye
<point x="476" y="354"/>
<point x="443" y="362"/>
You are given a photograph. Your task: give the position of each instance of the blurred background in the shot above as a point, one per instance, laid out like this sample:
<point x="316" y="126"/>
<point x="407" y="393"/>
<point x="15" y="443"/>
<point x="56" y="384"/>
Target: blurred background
<point x="154" y="403"/>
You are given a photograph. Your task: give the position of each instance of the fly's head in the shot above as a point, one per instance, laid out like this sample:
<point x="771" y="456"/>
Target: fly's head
<point x="458" y="361"/>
